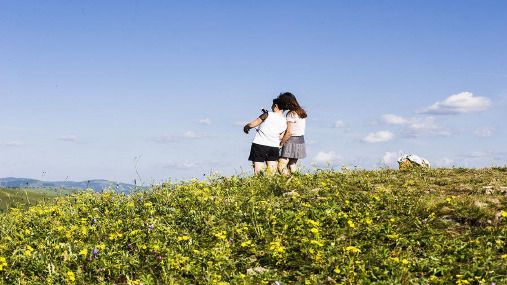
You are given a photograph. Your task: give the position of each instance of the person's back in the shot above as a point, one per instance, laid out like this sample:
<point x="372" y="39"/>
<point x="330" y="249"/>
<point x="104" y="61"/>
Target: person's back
<point x="266" y="144"/>
<point x="293" y="141"/>
<point x="298" y="124"/>
<point x="268" y="132"/>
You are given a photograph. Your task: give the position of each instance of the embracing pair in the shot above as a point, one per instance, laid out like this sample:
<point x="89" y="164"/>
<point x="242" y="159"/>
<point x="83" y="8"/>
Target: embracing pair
<point x="279" y="141"/>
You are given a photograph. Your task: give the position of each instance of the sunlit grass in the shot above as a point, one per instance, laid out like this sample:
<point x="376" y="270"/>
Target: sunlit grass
<point x="437" y="226"/>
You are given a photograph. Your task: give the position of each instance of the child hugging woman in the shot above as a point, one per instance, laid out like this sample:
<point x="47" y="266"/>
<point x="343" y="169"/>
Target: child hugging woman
<point x="266" y="144"/>
<point x="293" y="141"/>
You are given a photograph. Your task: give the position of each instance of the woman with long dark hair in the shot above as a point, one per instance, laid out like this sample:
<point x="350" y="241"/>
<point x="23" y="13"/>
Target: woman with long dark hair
<point x="293" y="141"/>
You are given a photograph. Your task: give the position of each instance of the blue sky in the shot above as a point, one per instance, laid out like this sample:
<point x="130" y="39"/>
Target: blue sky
<point x="100" y="89"/>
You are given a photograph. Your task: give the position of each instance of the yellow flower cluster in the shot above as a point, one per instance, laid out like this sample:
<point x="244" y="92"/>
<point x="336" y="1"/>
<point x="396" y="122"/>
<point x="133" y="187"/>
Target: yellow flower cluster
<point x="29" y="250"/>
<point x="3" y="263"/>
<point x="352" y="249"/>
<point x="221" y="235"/>
<point x="397" y="260"/>
<point x="70" y="276"/>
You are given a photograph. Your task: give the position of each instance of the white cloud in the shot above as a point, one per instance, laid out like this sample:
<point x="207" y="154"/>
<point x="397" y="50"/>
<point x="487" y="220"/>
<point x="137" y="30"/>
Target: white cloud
<point x="191" y="164"/>
<point x="194" y="135"/>
<point x="325" y="157"/>
<point x="478" y="154"/>
<point x="444" y="162"/>
<point x="338" y="124"/>
<point x="462" y="103"/>
<point x="485" y="132"/>
<point x="391" y="158"/>
<point x="382" y="136"/>
<point x="206" y="121"/>
<point x="69" y="138"/>
<point x="415" y="126"/>
<point x="177" y="138"/>
<point x="393" y="119"/>
<point x="13" y="143"/>
<point x="489" y="154"/>
<point x="186" y="164"/>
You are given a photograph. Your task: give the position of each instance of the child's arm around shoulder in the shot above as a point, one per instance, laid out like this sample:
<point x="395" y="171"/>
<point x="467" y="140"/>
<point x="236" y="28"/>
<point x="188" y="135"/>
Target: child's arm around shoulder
<point x="255" y="123"/>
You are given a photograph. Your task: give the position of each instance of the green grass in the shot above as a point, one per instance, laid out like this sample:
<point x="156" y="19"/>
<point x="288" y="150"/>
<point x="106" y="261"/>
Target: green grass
<point x="437" y="226"/>
<point x="27" y="197"/>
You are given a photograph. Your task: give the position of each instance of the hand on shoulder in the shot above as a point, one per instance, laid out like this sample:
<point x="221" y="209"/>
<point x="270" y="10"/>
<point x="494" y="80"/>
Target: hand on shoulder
<point x="264" y="116"/>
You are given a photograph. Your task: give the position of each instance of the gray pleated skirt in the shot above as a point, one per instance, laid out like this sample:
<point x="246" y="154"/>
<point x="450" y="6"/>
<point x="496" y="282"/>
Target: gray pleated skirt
<point x="294" y="148"/>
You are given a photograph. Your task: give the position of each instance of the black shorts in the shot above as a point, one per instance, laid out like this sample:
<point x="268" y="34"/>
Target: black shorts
<point x="262" y="153"/>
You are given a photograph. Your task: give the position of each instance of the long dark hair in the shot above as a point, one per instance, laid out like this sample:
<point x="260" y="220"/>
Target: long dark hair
<point x="292" y="104"/>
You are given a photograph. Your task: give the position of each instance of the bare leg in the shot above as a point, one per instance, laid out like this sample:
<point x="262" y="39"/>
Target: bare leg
<point x="282" y="165"/>
<point x="257" y="167"/>
<point x="272" y="167"/>
<point x="293" y="165"/>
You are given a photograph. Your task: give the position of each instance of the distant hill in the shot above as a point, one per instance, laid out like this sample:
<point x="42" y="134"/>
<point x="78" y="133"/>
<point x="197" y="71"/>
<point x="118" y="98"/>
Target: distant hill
<point x="97" y="185"/>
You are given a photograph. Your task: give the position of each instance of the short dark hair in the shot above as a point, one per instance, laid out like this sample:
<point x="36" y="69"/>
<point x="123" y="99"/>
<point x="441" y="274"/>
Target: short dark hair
<point x="280" y="103"/>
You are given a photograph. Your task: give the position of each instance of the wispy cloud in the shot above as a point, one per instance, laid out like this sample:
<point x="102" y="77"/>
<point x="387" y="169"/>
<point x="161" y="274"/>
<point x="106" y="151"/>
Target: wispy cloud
<point x="485" y="154"/>
<point x="378" y="137"/>
<point x="338" y="124"/>
<point x="327" y="157"/>
<point x="462" y="103"/>
<point x="206" y="121"/>
<point x="190" y="164"/>
<point x="391" y="158"/>
<point x="177" y="138"/>
<point x="69" y="138"/>
<point x="444" y="162"/>
<point x="394" y="119"/>
<point x="415" y="126"/>
<point x="185" y="164"/>
<point x="240" y="123"/>
<point x="485" y="132"/>
<point x="13" y="143"/>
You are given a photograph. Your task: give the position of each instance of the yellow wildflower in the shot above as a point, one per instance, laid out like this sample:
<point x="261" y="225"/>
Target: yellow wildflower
<point x="71" y="276"/>
<point x="3" y="263"/>
<point x="84" y="252"/>
<point x="29" y="250"/>
<point x="316" y="242"/>
<point x="352" y="249"/>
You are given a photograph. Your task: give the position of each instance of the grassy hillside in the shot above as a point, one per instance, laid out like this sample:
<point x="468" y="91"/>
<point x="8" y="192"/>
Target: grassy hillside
<point x="26" y="197"/>
<point x="12" y="198"/>
<point x="438" y="226"/>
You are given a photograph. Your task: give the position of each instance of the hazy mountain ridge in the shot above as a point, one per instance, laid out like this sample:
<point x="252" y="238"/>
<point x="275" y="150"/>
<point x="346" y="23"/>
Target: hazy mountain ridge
<point x="95" y="184"/>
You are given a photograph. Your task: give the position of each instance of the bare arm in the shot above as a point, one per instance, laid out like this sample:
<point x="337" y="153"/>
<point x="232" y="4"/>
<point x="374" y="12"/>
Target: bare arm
<point x="255" y="122"/>
<point x="251" y="125"/>
<point x="288" y="133"/>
